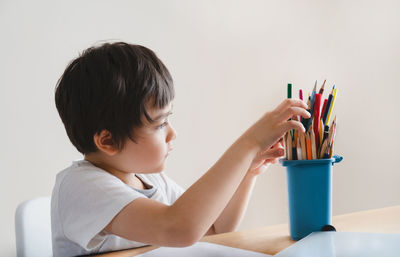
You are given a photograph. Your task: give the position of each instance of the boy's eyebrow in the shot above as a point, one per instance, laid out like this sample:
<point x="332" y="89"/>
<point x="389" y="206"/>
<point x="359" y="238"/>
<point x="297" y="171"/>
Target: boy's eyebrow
<point x="163" y="115"/>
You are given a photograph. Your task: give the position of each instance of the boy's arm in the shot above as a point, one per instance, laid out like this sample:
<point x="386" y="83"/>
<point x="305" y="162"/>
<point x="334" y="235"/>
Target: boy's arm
<point x="233" y="213"/>
<point x="194" y="213"/>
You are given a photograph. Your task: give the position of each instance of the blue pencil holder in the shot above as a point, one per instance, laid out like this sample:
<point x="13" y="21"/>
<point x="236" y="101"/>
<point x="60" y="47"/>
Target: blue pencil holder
<point x="310" y="194"/>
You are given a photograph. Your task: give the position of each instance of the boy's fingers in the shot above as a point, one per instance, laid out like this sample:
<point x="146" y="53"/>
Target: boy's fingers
<point x="291" y="111"/>
<point x="270" y="161"/>
<point x="292" y="124"/>
<point x="277" y="144"/>
<point x="273" y="161"/>
<point x="273" y="153"/>
<point x="281" y="141"/>
<point x="290" y="103"/>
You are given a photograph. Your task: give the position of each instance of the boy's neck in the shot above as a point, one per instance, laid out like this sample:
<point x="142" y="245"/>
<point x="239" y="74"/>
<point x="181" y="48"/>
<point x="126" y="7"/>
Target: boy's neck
<point x="126" y="177"/>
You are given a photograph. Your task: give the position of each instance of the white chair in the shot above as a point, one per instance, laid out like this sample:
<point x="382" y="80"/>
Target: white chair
<point x="33" y="228"/>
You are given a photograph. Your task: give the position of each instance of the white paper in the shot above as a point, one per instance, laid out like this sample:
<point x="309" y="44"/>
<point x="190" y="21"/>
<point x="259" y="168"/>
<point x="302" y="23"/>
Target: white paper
<point x="345" y="244"/>
<point x="202" y="249"/>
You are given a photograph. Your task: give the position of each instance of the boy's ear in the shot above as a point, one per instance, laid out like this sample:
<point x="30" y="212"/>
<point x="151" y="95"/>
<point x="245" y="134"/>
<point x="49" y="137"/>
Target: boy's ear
<point x="104" y="142"/>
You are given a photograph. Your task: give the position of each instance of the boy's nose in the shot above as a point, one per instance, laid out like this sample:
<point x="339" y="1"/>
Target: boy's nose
<point x="171" y="134"/>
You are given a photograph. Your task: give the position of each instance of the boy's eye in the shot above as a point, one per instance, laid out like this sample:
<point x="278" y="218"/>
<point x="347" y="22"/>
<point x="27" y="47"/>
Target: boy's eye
<point x="162" y="125"/>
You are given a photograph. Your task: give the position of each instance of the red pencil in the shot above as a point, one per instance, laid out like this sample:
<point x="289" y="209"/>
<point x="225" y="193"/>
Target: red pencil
<point x="323" y="107"/>
<point x="317" y="107"/>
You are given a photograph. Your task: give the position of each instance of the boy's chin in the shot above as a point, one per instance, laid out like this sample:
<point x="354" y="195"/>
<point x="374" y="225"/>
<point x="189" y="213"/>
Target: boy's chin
<point x="158" y="169"/>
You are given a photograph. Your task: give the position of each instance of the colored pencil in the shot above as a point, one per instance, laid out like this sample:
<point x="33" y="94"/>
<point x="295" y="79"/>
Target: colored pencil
<point x="308" y="146"/>
<point x="289" y="90"/>
<point x="298" y="148"/>
<point x="303" y="146"/>
<point x="317" y="106"/>
<point x="321" y="90"/>
<point x="285" y="143"/>
<point x="333" y="132"/>
<point x="331" y="107"/>
<point x="307" y="122"/>
<point x="289" y="144"/>
<point x="323" y="149"/>
<point x="323" y="109"/>
<point x="328" y="105"/>
<point x="313" y="145"/>
<point x="313" y="99"/>
<point x="331" y="151"/>
<point x="330" y="133"/>
<point x="321" y="132"/>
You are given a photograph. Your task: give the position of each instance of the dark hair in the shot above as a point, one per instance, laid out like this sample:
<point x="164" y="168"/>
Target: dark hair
<point x="107" y="88"/>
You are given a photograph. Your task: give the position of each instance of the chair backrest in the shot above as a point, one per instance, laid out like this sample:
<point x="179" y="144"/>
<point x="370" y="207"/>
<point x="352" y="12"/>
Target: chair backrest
<point x="33" y="228"/>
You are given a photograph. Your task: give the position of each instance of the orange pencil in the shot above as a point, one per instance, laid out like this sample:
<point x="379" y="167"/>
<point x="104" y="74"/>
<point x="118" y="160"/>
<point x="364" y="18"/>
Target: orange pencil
<point x="308" y="146"/>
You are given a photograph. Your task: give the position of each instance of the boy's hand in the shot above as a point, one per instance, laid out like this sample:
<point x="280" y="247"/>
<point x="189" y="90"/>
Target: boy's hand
<point x="273" y="125"/>
<point x="265" y="157"/>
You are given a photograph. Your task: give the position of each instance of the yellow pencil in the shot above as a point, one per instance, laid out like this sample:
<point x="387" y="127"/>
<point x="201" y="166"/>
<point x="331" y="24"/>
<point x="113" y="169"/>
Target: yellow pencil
<point x="331" y="107"/>
<point x="321" y="132"/>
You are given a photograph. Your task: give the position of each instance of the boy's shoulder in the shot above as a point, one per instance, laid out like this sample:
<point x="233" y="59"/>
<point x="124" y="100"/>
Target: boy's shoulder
<point x="80" y="168"/>
<point x="82" y="173"/>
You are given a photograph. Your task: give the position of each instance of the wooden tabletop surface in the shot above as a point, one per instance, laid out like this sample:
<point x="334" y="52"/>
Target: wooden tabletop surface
<point x="273" y="239"/>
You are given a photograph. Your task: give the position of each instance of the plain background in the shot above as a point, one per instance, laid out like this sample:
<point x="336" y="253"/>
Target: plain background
<point x="231" y="61"/>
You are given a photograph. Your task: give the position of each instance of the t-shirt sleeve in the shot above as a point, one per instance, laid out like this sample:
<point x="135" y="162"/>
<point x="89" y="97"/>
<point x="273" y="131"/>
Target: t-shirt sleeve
<point x="88" y="201"/>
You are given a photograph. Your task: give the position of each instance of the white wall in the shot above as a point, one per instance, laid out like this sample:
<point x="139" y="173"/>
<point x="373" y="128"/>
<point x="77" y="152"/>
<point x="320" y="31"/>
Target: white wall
<point x="231" y="61"/>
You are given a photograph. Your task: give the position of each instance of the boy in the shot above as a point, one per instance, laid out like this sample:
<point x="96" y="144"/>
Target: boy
<point x="114" y="101"/>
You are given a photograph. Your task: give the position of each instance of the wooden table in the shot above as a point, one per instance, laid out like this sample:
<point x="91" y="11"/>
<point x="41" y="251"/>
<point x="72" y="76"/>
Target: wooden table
<point x="273" y="239"/>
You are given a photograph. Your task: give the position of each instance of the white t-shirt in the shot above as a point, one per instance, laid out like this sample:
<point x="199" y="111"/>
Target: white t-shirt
<point x="86" y="198"/>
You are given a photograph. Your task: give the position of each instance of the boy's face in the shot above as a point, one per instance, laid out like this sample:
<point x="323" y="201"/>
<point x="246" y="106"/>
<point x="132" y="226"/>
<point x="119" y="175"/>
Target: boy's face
<point x="153" y="144"/>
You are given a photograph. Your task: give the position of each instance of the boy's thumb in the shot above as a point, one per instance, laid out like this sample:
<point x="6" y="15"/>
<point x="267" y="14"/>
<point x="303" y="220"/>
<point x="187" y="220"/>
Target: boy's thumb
<point x="273" y="153"/>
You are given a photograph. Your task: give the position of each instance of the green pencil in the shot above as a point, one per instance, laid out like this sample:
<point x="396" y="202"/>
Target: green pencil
<point x="289" y="90"/>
